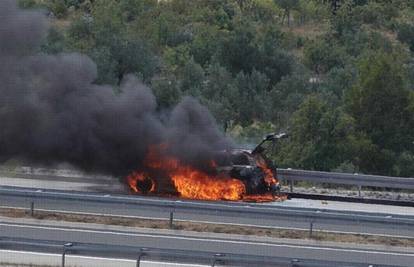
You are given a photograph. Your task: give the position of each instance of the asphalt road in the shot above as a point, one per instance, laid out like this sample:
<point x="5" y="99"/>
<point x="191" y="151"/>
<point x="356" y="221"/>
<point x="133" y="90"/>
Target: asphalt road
<point x="110" y="185"/>
<point x="67" y="181"/>
<point x="162" y="211"/>
<point x="103" y="236"/>
<point x="226" y="213"/>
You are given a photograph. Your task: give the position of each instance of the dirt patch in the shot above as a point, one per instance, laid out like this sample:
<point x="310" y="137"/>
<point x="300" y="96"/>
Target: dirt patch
<point x="213" y="228"/>
<point x="309" y="31"/>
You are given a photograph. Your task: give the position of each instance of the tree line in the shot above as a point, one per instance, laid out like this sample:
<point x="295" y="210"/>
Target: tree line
<point x="337" y="74"/>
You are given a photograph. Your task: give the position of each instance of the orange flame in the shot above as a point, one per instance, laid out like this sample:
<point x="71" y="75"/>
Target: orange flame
<point x="197" y="185"/>
<point x="269" y="177"/>
<point x="140" y="183"/>
<point x="192" y="183"/>
<point x="188" y="181"/>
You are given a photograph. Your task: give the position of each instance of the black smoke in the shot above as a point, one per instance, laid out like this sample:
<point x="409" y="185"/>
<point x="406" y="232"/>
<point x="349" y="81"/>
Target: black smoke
<point x="52" y="112"/>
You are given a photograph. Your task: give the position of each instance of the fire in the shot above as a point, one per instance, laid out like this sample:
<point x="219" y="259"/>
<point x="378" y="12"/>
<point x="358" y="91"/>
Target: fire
<point x="191" y="183"/>
<point x="197" y="185"/>
<point x="188" y="181"/>
<point x="140" y="183"/>
<point x="269" y="178"/>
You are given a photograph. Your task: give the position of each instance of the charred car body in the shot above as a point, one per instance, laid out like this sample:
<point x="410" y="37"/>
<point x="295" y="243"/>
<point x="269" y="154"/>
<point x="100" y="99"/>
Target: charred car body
<point x="253" y="168"/>
<point x="236" y="174"/>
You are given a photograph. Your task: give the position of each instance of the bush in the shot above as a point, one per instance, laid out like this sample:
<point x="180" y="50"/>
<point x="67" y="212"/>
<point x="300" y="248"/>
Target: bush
<point x="321" y="56"/>
<point x="405" y="165"/>
<point x="346" y="167"/>
<point x="378" y="14"/>
<point x="58" y="8"/>
<point x="74" y="3"/>
<point x="405" y="34"/>
<point x="27" y="3"/>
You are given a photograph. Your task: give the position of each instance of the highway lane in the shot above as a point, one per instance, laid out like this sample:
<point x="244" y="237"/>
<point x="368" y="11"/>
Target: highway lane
<point x="62" y="181"/>
<point x="234" y="213"/>
<point x="102" y="236"/>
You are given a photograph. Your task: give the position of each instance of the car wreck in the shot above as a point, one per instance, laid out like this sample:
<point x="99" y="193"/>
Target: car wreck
<point x="253" y="167"/>
<point x="236" y="174"/>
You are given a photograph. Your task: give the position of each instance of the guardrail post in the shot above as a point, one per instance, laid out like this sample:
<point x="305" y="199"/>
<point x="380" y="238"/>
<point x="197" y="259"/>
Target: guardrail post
<point x="294" y="263"/>
<point x="65" y="249"/>
<point x="171" y="220"/>
<point x="172" y="216"/>
<point x="63" y="257"/>
<point x="359" y="190"/>
<point x="217" y="259"/>
<point x="140" y="255"/>
<point x="139" y="260"/>
<point x="291" y="186"/>
<point x="310" y="229"/>
<point x="32" y="208"/>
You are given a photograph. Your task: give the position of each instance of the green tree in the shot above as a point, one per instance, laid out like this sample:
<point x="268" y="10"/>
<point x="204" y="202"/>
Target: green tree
<point x="192" y="78"/>
<point x="80" y="36"/>
<point x="289" y="93"/>
<point x="205" y="43"/>
<point x="219" y="93"/>
<point x="132" y="9"/>
<point x="238" y="51"/>
<point x="288" y="6"/>
<point x="405" y="33"/>
<point x="244" y="51"/>
<point x="167" y="90"/>
<point x="379" y="102"/>
<point x="322" y="55"/>
<point x="345" y="20"/>
<point x="369" y="157"/>
<point x="338" y="80"/>
<point x="27" y="3"/>
<point x="319" y="136"/>
<point x="58" y="7"/>
<point x="404" y="165"/>
<point x="251" y="98"/>
<point x="54" y="43"/>
<point x="104" y="36"/>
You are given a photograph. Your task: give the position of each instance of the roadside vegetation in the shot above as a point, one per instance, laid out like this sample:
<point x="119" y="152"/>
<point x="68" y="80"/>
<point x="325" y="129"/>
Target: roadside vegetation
<point x="339" y="78"/>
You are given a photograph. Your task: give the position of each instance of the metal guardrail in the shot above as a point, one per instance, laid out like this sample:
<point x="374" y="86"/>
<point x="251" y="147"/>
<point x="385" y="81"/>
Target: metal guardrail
<point x="308" y="216"/>
<point x="205" y="207"/>
<point x="346" y="179"/>
<point x="139" y="254"/>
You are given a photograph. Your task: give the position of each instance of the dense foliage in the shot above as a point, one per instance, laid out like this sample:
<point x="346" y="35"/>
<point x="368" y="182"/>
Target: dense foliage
<point x="338" y="75"/>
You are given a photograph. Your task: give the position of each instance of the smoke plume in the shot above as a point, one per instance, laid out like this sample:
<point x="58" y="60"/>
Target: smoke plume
<point x="52" y="112"/>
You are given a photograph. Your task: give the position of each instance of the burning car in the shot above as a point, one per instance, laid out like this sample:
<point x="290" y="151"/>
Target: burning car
<point x="238" y="174"/>
<point x="253" y="168"/>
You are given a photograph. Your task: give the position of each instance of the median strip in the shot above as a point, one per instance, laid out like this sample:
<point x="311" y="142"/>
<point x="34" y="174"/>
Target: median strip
<point x="209" y="227"/>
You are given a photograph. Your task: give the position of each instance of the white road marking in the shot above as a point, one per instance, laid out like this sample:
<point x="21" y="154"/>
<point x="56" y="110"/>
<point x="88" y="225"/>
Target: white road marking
<point x="210" y="240"/>
<point x="205" y="203"/>
<point x="210" y="222"/>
